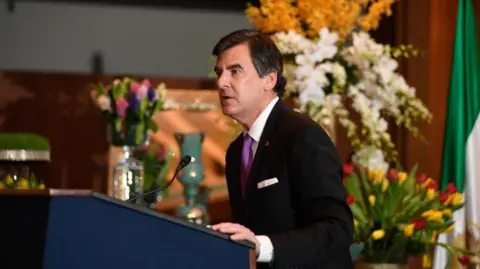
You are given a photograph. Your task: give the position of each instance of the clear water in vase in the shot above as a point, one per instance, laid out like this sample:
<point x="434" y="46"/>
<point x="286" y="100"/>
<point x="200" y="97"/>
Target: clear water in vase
<point x="128" y="175"/>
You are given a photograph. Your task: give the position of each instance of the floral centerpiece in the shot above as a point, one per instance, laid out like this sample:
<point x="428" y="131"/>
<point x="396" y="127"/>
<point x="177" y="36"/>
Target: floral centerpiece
<point x="128" y="106"/>
<point x="335" y="69"/>
<point x="400" y="214"/>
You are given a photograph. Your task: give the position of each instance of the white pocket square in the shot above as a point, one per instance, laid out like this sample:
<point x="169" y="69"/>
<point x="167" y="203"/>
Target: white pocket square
<point x="267" y="182"/>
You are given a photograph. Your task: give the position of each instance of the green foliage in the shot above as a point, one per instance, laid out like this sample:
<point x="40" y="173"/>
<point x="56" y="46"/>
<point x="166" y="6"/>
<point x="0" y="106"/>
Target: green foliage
<point x="399" y="214"/>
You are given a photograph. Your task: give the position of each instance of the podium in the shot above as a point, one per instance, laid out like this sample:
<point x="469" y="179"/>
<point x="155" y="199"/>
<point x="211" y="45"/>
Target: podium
<point x="81" y="229"/>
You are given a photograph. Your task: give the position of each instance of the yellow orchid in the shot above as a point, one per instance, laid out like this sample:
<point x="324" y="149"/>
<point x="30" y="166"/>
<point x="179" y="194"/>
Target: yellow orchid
<point x="342" y="16"/>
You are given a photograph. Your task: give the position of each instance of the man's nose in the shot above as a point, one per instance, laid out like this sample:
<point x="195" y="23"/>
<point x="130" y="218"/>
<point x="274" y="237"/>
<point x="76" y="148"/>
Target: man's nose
<point x="222" y="81"/>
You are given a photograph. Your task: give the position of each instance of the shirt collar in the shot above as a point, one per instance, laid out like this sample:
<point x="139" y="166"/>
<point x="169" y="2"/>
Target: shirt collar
<point x="257" y="128"/>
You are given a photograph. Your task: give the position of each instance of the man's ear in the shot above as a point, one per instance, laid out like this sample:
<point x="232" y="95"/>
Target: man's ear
<point x="270" y="80"/>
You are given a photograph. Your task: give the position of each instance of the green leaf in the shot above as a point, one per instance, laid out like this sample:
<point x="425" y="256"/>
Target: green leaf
<point x="357" y="213"/>
<point x="353" y="188"/>
<point x="168" y="162"/>
<point x="439" y="226"/>
<point x="152" y="125"/>
<point x="140" y="133"/>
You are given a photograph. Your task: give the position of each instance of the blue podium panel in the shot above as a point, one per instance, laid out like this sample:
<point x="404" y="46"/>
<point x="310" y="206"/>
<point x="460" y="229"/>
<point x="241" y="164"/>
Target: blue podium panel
<point x="98" y="232"/>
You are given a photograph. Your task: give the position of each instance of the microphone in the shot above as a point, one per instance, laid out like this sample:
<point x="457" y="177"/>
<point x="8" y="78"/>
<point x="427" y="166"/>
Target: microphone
<point x="186" y="160"/>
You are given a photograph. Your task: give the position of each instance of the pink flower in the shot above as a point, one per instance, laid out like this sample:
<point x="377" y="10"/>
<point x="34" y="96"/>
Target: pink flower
<point x="142" y="92"/>
<point x="116" y="82"/>
<point x="122" y="106"/>
<point x="134" y="87"/>
<point x="146" y="83"/>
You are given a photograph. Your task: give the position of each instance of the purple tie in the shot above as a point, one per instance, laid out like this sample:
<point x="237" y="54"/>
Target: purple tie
<point x="247" y="158"/>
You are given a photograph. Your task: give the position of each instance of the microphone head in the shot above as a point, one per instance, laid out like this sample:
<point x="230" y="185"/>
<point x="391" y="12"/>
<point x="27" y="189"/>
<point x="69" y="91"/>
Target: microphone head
<point x="185" y="161"/>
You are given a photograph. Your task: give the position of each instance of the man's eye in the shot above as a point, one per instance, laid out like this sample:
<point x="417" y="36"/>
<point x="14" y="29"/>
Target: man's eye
<point x="235" y="72"/>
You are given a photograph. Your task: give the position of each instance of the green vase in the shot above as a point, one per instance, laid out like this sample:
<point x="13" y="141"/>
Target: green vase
<point x="191" y="177"/>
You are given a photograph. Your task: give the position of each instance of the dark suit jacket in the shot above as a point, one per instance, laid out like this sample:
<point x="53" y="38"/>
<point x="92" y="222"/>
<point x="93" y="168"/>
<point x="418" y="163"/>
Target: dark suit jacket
<point x="305" y="214"/>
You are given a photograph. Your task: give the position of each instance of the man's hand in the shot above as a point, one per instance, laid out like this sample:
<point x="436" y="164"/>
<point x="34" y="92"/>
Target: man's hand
<point x="238" y="232"/>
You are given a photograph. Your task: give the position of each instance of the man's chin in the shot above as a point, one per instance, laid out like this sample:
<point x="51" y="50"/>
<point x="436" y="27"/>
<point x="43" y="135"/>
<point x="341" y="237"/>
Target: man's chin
<point x="228" y="111"/>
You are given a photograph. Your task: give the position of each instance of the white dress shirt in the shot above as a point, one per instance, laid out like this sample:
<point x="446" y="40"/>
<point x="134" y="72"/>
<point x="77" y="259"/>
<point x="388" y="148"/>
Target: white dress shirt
<point x="266" y="247"/>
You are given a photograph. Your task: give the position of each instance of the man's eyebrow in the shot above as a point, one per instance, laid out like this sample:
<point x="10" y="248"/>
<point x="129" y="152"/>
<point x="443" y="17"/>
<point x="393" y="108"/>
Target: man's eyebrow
<point x="217" y="69"/>
<point x="234" y="66"/>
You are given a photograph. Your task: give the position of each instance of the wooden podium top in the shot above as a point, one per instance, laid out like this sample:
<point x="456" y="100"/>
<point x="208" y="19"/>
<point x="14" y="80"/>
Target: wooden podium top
<point x="46" y="192"/>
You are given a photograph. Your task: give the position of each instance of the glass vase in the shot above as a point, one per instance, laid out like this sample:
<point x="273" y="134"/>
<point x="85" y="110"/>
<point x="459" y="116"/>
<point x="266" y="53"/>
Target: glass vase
<point x="128" y="177"/>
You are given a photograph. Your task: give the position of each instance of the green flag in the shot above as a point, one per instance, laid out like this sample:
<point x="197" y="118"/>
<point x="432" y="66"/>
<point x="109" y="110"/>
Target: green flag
<point x="461" y="147"/>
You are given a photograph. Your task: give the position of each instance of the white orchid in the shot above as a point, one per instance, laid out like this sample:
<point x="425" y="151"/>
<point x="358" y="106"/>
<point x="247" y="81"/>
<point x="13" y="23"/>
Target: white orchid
<point x="319" y="72"/>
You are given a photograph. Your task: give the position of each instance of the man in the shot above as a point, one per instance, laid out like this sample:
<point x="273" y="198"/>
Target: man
<point x="283" y="174"/>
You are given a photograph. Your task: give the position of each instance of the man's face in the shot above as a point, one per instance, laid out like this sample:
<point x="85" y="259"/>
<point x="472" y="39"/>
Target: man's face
<point x="241" y="89"/>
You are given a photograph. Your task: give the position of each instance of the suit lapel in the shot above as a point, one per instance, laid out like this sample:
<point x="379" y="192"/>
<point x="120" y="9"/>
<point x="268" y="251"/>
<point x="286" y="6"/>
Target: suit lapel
<point x="235" y="164"/>
<point x="233" y="173"/>
<point x="263" y="147"/>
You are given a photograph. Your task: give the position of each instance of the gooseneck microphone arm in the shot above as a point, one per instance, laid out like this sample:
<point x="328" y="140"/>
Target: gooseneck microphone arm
<point x="187" y="159"/>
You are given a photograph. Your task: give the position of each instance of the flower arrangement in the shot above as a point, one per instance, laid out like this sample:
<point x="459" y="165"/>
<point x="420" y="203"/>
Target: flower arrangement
<point x="340" y="16"/>
<point x="400" y="214"/>
<point x="128" y="106"/>
<point x="332" y="65"/>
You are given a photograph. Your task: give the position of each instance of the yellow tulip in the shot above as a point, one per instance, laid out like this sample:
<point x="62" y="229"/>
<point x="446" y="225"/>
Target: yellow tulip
<point x="447" y="212"/>
<point x="355" y="223"/>
<point x="371" y="173"/>
<point x="426" y="262"/>
<point x="402" y="176"/>
<point x="372" y="199"/>
<point x="378" y="234"/>
<point x="450" y="229"/>
<point x="457" y="198"/>
<point x="427" y="182"/>
<point x="385" y="185"/>
<point x="430" y="194"/>
<point x="378" y="176"/>
<point x="408" y="230"/>
<point x="433" y="215"/>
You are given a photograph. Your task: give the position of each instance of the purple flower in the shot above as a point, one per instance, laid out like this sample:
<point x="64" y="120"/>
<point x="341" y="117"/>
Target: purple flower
<point x="133" y="102"/>
<point x="152" y="94"/>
